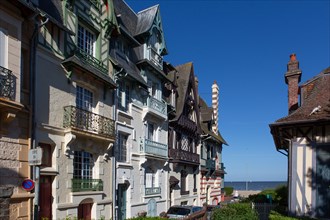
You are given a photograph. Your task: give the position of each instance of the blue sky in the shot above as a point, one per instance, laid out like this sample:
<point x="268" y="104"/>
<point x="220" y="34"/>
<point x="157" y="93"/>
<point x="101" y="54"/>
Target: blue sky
<point x="245" y="46"/>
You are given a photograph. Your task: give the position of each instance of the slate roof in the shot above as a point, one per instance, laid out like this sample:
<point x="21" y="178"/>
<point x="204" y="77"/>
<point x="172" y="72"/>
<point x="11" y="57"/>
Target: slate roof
<point x="126" y="17"/>
<point x="183" y="73"/>
<point x="206" y="115"/>
<point x="145" y="19"/>
<point x="135" y="24"/>
<point x="315" y="92"/>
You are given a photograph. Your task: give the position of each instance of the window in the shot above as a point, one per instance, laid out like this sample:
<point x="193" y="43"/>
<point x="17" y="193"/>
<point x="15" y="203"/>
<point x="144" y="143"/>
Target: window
<point x="152" y="180"/>
<point x="84" y="98"/>
<point x="150" y="134"/>
<point x="83" y="165"/>
<point x="3" y="49"/>
<point x="86" y="40"/>
<point x="184" y="182"/>
<point x="195" y="183"/>
<point x="122" y="147"/>
<point x="46" y="155"/>
<point x="123" y="96"/>
<point x="155" y="40"/>
<point x="184" y="143"/>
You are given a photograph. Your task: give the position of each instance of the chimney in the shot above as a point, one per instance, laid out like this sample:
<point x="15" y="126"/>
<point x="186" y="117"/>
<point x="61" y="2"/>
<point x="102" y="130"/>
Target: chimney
<point x="292" y="78"/>
<point x="215" y="106"/>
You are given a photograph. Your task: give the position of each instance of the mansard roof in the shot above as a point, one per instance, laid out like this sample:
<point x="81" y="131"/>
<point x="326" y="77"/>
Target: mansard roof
<point x="206" y="116"/>
<point x="315" y="101"/>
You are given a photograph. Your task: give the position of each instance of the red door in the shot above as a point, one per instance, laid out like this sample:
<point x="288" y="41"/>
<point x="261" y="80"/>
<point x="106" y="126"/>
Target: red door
<point x="45" y="197"/>
<point x="85" y="211"/>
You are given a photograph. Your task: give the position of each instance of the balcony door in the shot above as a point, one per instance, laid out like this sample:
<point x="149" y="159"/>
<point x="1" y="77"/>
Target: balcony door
<point x="122" y="189"/>
<point x="45" y="197"/>
<point x="84" y="102"/>
<point x="85" y="211"/>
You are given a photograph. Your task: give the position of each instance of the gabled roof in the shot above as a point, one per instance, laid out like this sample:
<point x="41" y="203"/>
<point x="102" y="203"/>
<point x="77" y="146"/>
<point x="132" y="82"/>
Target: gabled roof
<point x="206" y="115"/>
<point x="315" y="101"/>
<point x="126" y="17"/>
<point x="184" y="72"/>
<point x="146" y="19"/>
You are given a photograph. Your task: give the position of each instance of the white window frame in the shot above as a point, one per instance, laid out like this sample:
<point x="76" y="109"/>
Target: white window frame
<point x="84" y="98"/>
<point x="83" y="165"/>
<point x="88" y="39"/>
<point x="3" y="48"/>
<point x="152" y="179"/>
<point x="122" y="147"/>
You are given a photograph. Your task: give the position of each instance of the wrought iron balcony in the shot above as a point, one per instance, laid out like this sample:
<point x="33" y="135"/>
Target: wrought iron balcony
<point x="184" y="156"/>
<point x="153" y="190"/>
<point x="82" y="185"/>
<point x="7" y="84"/>
<point x="87" y="121"/>
<point x="152" y="147"/>
<point x="210" y="164"/>
<point x="98" y="64"/>
<point x="156" y="107"/>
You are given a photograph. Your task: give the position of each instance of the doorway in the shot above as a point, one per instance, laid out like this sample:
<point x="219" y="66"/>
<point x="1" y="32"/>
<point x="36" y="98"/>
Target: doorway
<point x="122" y="191"/>
<point x="45" y="197"/>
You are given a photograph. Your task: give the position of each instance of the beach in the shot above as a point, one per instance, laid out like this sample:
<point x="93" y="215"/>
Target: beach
<point x="246" y="193"/>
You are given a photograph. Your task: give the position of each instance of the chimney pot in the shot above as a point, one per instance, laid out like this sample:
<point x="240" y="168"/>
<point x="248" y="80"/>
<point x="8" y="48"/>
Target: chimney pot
<point x="293" y="57"/>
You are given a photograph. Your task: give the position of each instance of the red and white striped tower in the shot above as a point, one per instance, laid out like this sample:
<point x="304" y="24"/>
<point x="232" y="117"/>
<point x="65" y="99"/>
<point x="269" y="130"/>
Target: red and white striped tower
<point x="215" y="106"/>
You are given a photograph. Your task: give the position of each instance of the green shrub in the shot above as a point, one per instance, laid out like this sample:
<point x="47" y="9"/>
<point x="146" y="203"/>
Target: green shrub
<point x="228" y="190"/>
<point x="235" y="211"/>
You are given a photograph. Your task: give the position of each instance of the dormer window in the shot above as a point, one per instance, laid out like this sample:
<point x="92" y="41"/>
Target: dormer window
<point x="155" y="40"/>
<point x="86" y="40"/>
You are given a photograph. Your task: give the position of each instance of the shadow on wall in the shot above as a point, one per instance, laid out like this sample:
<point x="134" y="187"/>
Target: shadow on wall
<point x="319" y="180"/>
<point x="9" y="177"/>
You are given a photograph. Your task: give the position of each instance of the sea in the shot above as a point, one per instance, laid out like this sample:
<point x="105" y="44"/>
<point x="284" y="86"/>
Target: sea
<point x="254" y="185"/>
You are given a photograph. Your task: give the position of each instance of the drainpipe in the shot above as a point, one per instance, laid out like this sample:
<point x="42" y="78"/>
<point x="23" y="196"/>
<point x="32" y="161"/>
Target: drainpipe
<point x="33" y="49"/>
<point x="114" y="162"/>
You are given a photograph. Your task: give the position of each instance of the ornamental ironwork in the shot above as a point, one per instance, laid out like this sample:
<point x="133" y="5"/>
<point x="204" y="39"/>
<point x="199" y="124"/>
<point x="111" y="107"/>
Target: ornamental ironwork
<point x="98" y="64"/>
<point x="184" y="156"/>
<point x="7" y="84"/>
<point x="87" y="121"/>
<point x="81" y="185"/>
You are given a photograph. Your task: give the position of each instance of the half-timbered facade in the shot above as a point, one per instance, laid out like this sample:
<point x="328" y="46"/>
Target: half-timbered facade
<point x="74" y="119"/>
<point x="212" y="168"/>
<point x="141" y="149"/>
<point x="184" y="140"/>
<point x="304" y="136"/>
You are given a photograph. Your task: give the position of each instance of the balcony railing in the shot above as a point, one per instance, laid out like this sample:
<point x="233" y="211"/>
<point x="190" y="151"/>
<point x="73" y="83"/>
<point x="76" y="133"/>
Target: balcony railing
<point x="184" y="156"/>
<point x="82" y="185"/>
<point x="98" y="64"/>
<point x="7" y="84"/>
<point x="210" y="164"/>
<point x="153" y="147"/>
<point x="153" y="190"/>
<point x="156" y="105"/>
<point x="155" y="57"/>
<point x="87" y="121"/>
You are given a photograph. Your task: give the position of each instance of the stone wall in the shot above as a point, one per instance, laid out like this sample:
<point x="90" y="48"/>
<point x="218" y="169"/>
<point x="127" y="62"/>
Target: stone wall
<point x="5" y="194"/>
